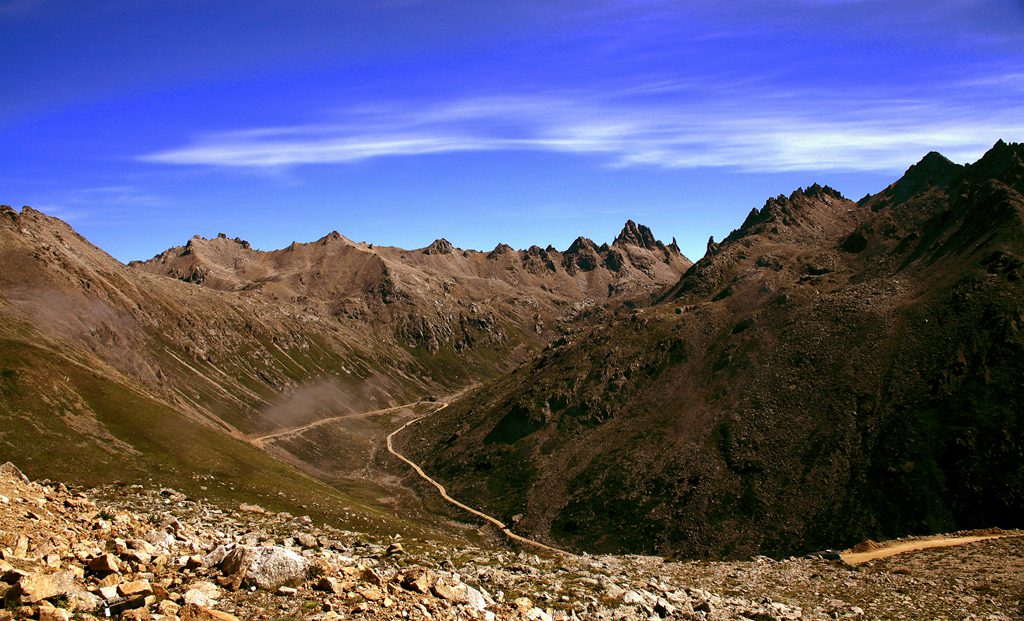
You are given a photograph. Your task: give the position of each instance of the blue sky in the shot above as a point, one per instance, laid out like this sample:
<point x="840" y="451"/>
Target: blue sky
<point x="143" y="122"/>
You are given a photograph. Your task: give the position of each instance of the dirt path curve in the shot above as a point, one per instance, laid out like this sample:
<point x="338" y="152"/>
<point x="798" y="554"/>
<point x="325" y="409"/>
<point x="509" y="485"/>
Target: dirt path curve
<point x="856" y="558"/>
<point x="444" y="494"/>
<point x="262" y="441"/>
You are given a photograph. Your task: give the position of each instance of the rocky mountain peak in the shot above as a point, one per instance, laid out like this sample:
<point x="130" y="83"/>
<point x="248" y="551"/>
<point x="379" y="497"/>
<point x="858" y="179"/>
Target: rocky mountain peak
<point x="772" y="207"/>
<point x="28" y="213"/>
<point x="787" y="210"/>
<point x="934" y="170"/>
<point x="221" y="241"/>
<point x="637" y="235"/>
<point x="1004" y="162"/>
<point x="500" y="250"/>
<point x="439" y="246"/>
<point x="821" y="191"/>
<point x="582" y="255"/>
<point x="581" y="244"/>
<point x="8" y="215"/>
<point x="333" y="236"/>
<point x="934" y="162"/>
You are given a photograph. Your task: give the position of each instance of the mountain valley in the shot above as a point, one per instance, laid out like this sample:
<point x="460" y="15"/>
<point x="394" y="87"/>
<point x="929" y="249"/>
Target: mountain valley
<point x="832" y="371"/>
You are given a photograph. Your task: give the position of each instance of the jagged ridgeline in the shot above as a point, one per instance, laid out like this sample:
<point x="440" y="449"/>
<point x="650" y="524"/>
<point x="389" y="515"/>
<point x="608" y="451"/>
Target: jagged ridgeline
<point x="831" y="371"/>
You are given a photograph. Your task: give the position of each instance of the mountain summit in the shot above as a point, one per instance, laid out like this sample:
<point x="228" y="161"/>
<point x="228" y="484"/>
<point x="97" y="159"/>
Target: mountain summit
<point x="637" y="235"/>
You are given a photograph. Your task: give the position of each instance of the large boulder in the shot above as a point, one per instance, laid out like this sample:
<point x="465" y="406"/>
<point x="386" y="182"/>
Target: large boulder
<point x="265" y="567"/>
<point x="454" y="590"/>
<point x="30" y="589"/>
<point x="418" y="580"/>
<point x="104" y="564"/>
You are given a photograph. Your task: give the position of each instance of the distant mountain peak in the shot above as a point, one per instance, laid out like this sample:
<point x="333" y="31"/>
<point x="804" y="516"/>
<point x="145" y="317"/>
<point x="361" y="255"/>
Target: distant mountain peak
<point x="820" y="191"/>
<point x="933" y="170"/>
<point x="933" y="159"/>
<point x="1004" y="162"/>
<point x="334" y="238"/>
<point x="439" y="246"/>
<point x="581" y="244"/>
<point x="193" y="241"/>
<point x="500" y="250"/>
<point x="636" y="235"/>
<point x="786" y="210"/>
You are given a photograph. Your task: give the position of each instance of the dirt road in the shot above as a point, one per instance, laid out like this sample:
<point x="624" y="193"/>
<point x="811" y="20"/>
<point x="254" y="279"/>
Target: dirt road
<point x="262" y="441"/>
<point x="856" y="558"/>
<point x="444" y="493"/>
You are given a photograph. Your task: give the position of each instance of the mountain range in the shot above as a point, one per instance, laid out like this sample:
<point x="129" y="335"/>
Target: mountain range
<point x="830" y="371"/>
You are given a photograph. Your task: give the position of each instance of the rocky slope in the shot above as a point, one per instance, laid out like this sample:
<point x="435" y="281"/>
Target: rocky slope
<point x="435" y="297"/>
<point x="829" y="372"/>
<point x="141" y="552"/>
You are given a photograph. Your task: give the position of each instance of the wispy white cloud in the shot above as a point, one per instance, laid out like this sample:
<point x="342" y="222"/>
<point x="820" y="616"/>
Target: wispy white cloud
<point x="751" y="129"/>
<point x="1012" y="80"/>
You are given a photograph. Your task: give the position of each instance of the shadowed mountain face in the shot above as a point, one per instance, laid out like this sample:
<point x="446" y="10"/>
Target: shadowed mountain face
<point x="217" y="336"/>
<point x="831" y="371"/>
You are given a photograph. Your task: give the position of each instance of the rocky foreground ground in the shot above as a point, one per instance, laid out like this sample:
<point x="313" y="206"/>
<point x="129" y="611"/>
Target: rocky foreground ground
<point x="139" y="553"/>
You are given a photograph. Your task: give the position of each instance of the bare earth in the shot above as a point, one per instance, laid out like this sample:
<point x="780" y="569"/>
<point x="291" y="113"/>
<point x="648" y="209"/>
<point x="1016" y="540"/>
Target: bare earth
<point x="899" y="547"/>
<point x="261" y="441"/>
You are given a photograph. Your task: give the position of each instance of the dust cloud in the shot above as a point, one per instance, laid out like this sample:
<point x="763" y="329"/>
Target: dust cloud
<point x="325" y="398"/>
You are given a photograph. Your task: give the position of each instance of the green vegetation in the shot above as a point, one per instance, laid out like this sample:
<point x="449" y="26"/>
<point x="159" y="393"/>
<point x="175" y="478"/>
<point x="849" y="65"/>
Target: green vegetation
<point x="68" y="423"/>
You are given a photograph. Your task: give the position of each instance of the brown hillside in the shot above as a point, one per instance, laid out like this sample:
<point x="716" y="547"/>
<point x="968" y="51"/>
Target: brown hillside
<point x="830" y="372"/>
<point x="166" y="367"/>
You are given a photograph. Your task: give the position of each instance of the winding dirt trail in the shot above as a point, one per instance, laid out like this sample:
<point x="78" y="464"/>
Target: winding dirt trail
<point x="857" y="558"/>
<point x="444" y="493"/>
<point x="261" y="441"/>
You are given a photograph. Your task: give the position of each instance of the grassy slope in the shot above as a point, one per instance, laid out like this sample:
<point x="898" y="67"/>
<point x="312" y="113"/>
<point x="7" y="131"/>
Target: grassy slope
<point x="64" y="421"/>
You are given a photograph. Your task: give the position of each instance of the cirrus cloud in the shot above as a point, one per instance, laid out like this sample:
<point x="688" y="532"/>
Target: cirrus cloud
<point x="757" y="129"/>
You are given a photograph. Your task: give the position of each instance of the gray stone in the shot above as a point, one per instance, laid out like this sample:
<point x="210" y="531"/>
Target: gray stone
<point x="265" y="567"/>
<point x="216" y="557"/>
